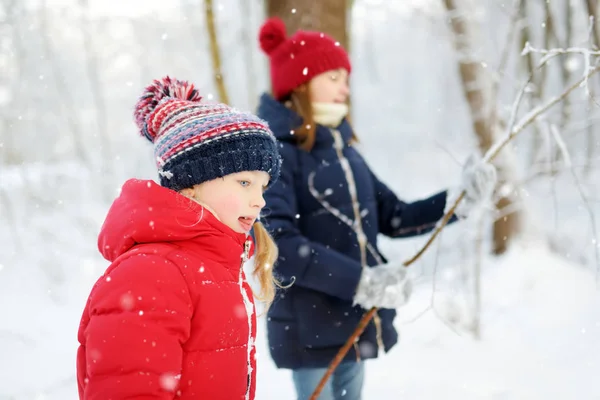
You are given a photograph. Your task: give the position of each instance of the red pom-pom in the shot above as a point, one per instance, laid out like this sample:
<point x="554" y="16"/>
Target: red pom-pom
<point x="157" y="91"/>
<point x="272" y="34"/>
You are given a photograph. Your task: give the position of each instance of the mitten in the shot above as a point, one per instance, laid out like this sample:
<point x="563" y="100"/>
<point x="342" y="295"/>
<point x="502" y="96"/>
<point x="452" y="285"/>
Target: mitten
<point x="478" y="180"/>
<point x="383" y="286"/>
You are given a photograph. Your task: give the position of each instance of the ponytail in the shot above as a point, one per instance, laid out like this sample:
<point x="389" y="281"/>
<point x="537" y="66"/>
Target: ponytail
<point x="264" y="259"/>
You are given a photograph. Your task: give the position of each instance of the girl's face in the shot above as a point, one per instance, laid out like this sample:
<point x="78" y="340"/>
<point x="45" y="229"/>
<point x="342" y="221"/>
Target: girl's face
<point x="329" y="87"/>
<point x="236" y="199"/>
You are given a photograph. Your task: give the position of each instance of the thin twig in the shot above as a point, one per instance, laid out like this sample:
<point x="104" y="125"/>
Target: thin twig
<point x="567" y="158"/>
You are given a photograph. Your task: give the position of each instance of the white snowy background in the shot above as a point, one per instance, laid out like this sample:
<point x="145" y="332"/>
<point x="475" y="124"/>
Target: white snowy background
<point x="70" y="72"/>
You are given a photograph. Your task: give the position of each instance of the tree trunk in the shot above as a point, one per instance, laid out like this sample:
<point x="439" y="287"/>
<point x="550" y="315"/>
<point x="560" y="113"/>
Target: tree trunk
<point x="215" y="52"/>
<point x="476" y="84"/>
<point x="327" y="16"/>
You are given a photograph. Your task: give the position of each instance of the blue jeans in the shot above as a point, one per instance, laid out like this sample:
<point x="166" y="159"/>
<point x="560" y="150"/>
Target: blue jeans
<point x="344" y="384"/>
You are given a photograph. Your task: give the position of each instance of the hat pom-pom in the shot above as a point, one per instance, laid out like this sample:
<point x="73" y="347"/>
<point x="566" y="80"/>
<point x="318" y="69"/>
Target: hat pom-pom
<point x="155" y="93"/>
<point x="272" y="34"/>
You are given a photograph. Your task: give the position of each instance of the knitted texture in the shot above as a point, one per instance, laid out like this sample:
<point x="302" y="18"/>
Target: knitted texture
<point x="299" y="58"/>
<point x="196" y="142"/>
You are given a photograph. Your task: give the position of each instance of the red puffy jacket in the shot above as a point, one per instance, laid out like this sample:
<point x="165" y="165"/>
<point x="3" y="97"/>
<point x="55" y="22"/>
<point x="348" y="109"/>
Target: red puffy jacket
<point x="173" y="315"/>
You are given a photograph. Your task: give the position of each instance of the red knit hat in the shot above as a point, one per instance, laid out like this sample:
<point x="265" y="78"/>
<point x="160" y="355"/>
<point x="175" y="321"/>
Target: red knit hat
<point x="299" y="58"/>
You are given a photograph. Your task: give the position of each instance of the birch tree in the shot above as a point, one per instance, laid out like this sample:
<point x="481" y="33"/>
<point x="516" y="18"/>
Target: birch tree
<point x="477" y="84"/>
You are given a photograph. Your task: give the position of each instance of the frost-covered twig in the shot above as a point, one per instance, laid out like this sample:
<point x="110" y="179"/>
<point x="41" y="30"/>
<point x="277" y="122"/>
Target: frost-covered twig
<point x="585" y="52"/>
<point x="505" y="49"/>
<point x="567" y="158"/>
<point x="532" y="115"/>
<point x="503" y="61"/>
<point x="555" y="51"/>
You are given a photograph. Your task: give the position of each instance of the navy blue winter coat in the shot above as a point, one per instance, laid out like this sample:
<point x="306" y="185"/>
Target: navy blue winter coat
<point x="309" y="321"/>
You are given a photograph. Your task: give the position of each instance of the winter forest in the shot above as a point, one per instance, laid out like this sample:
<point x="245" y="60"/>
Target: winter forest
<point x="505" y="303"/>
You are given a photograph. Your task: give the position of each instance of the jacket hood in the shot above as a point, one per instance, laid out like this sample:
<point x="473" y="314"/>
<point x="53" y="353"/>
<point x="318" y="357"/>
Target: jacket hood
<point x="146" y="212"/>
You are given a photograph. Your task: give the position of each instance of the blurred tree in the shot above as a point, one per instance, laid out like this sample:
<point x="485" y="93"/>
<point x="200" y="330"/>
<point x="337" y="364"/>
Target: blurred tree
<point x="327" y="16"/>
<point x="476" y="85"/>
<point x="215" y="51"/>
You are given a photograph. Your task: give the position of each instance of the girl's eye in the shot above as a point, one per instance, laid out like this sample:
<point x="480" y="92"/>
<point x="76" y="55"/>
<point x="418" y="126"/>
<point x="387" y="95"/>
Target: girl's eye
<point x="333" y="77"/>
<point x="245" y="183"/>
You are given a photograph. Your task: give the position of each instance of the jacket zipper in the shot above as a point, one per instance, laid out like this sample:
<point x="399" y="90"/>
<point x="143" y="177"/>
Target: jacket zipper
<point x="361" y="237"/>
<point x="246" y="257"/>
<point x="246" y="254"/>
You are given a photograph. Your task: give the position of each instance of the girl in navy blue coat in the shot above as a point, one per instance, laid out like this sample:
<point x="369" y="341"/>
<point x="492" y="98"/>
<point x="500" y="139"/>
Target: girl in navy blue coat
<point x="325" y="213"/>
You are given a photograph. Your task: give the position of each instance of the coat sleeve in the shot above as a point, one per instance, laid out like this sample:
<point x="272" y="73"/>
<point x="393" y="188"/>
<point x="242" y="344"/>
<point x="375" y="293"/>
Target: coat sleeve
<point x="139" y="317"/>
<point x="308" y="264"/>
<point x="398" y="219"/>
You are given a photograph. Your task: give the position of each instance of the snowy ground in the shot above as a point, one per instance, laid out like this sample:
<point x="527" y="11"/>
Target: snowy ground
<point x="539" y="340"/>
<point x="540" y="321"/>
<point x="540" y="330"/>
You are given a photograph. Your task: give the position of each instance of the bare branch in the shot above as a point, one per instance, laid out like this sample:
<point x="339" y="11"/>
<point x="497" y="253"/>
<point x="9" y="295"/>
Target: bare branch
<point x="533" y="114"/>
<point x="567" y="158"/>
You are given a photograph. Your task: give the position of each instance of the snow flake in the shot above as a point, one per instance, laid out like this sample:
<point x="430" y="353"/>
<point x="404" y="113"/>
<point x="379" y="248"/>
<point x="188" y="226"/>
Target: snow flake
<point x="304" y="250"/>
<point x="169" y="381"/>
<point x="127" y="302"/>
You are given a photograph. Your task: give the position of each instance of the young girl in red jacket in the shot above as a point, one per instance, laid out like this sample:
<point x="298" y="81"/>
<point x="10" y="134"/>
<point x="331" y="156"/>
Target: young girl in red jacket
<point x="173" y="316"/>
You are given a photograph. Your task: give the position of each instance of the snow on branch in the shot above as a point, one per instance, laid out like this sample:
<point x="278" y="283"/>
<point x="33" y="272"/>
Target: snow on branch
<point x="547" y="54"/>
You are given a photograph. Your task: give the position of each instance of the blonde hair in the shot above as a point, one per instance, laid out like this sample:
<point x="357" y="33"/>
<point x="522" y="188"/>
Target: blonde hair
<point x="264" y="259"/>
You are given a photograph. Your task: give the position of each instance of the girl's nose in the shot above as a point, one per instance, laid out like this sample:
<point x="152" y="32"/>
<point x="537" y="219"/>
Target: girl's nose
<point x="259" y="201"/>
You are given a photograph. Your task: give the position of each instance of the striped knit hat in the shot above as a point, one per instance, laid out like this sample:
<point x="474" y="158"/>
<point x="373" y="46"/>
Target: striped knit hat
<point x="196" y="142"/>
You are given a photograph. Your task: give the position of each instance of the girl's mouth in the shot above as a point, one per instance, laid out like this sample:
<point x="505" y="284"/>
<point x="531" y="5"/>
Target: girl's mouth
<point x="246" y="223"/>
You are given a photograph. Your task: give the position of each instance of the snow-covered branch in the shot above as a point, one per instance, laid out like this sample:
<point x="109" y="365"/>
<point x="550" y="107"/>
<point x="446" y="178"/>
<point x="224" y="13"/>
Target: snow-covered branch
<point x="547" y="54"/>
<point x="532" y="116"/>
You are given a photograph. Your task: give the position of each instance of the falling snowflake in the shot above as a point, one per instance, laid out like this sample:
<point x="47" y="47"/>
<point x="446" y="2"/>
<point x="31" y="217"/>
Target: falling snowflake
<point x="169" y="381"/>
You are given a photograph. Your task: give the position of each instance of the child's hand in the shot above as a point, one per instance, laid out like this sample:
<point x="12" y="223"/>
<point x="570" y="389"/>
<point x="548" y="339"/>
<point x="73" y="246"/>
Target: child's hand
<point x="478" y="181"/>
<point x="383" y="286"/>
